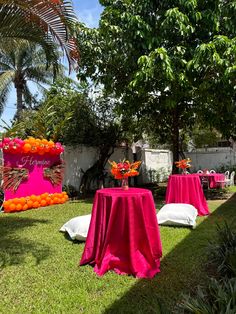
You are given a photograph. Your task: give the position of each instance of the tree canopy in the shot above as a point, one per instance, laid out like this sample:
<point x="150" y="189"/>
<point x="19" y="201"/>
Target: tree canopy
<point x="71" y="115"/>
<point x="169" y="62"/>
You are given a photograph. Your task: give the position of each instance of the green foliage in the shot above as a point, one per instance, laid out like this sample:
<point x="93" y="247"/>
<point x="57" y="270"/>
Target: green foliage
<point x="70" y="190"/>
<point x="218" y="297"/>
<point x="67" y="114"/>
<point x="48" y="24"/>
<point x="202" y="136"/>
<point x="222" y="252"/>
<point x="170" y="62"/>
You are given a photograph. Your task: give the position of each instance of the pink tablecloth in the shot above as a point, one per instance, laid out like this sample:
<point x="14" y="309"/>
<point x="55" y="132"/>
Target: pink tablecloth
<point x="123" y="233"/>
<point x="187" y="189"/>
<point x="213" y="178"/>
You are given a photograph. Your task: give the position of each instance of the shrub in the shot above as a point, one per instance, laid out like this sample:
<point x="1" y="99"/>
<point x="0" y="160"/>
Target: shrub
<point x="220" y="294"/>
<point x="70" y="190"/>
<point x="218" y="298"/>
<point x="222" y="252"/>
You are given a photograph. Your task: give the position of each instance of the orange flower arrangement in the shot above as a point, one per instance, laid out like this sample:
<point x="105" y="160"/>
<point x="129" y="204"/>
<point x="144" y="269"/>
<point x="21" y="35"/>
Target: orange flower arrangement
<point x="30" y="145"/>
<point x="34" y="201"/>
<point x="124" y="169"/>
<point x="183" y="164"/>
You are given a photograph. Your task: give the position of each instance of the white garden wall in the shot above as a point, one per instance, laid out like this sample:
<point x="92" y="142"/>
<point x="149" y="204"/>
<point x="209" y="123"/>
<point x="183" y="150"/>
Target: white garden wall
<point x="79" y="159"/>
<point x="156" y="163"/>
<point x="212" y="159"/>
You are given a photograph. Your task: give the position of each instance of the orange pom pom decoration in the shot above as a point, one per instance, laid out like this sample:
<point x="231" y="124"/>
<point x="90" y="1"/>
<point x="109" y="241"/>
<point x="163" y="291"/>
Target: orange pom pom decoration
<point x="26" y="148"/>
<point x="18" y="207"/>
<point x="34" y="201"/>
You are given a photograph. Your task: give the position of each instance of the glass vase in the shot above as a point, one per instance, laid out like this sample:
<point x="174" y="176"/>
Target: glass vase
<point x="184" y="171"/>
<point x="125" y="184"/>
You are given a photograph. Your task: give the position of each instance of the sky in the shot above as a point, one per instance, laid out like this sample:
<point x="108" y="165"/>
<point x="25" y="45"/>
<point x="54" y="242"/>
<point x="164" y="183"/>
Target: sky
<point x="88" y="12"/>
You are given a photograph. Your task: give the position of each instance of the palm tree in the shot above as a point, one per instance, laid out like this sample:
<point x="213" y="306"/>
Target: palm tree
<point x="20" y="64"/>
<point x="45" y="22"/>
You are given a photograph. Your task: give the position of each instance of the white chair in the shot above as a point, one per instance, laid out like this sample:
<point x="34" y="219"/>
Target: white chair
<point x="231" y="178"/>
<point x="227" y="174"/>
<point x="227" y="179"/>
<point x="212" y="171"/>
<point x="199" y="171"/>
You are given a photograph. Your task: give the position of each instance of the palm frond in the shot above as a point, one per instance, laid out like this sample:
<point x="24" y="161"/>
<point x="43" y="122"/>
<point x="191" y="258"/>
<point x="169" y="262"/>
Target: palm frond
<point x="5" y="88"/>
<point x="40" y="21"/>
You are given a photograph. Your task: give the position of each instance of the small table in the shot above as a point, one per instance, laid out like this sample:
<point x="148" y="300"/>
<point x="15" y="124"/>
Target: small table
<point x="123" y="233"/>
<point x="214" y="179"/>
<point x="187" y="189"/>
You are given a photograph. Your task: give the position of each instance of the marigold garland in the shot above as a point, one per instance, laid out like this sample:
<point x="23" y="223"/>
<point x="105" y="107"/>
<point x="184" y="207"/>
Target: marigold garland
<point x="30" y="145"/>
<point x="34" y="201"/>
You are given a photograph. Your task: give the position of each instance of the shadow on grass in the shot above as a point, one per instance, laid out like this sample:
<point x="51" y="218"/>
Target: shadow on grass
<point x="13" y="250"/>
<point x="85" y="201"/>
<point x="181" y="269"/>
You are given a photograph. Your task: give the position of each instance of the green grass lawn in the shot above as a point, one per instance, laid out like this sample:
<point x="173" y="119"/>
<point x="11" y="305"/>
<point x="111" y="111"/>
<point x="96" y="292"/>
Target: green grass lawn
<point x="39" y="270"/>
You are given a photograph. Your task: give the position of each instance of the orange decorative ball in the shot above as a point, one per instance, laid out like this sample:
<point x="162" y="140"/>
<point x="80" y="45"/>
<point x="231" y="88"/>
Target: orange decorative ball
<point x="35" y="204"/>
<point x="43" y="203"/>
<point x="19" y="207"/>
<point x="25" y="207"/>
<point x="26" y="148"/>
<point x="12" y="207"/>
<point x="30" y="203"/>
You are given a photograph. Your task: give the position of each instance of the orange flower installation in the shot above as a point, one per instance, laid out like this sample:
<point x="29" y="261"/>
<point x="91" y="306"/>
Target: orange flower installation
<point x="183" y="164"/>
<point x="124" y="169"/>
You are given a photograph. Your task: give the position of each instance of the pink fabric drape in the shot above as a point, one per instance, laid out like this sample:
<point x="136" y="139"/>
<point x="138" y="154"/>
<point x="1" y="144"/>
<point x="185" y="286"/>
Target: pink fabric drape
<point x="123" y="233"/>
<point x="187" y="189"/>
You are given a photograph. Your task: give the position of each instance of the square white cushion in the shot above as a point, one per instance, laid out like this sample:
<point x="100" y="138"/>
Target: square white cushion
<point x="177" y="214"/>
<point x="77" y="227"/>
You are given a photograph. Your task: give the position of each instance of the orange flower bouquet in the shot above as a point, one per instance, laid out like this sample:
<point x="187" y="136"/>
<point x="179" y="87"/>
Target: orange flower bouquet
<point x="123" y="170"/>
<point x="183" y="164"/>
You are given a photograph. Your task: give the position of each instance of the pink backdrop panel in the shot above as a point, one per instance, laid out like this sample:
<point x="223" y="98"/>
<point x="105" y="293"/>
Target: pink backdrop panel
<point x="36" y="183"/>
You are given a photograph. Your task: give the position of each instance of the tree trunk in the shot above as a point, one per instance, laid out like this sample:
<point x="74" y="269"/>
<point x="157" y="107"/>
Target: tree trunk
<point x="19" y="102"/>
<point x="19" y="83"/>
<point x="175" y="138"/>
<point x="96" y="172"/>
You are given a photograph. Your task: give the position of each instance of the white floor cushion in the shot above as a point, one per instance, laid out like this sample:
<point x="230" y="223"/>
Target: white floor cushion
<point x="177" y="214"/>
<point x="77" y="227"/>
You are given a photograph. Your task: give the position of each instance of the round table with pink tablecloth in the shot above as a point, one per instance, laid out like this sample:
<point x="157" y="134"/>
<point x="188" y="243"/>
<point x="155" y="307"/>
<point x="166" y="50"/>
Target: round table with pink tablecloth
<point x="123" y="233"/>
<point x="187" y="189"/>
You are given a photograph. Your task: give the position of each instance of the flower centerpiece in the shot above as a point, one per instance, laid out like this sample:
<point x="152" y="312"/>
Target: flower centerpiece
<point x="183" y="164"/>
<point x="123" y="170"/>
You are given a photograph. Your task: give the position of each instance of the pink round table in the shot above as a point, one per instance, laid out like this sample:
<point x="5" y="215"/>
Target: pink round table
<point x="187" y="189"/>
<point x="213" y="178"/>
<point x="123" y="233"/>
